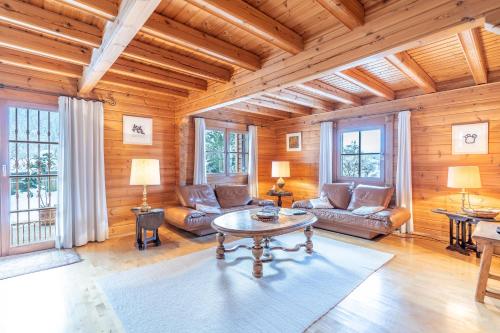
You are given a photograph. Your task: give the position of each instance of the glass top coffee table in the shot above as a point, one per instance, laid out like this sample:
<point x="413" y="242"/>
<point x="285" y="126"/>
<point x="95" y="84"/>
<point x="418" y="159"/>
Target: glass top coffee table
<point x="242" y="224"/>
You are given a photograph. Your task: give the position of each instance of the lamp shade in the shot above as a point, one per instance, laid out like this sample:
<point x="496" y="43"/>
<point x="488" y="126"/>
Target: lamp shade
<point x="464" y="177"/>
<point x="280" y="169"/>
<point x="145" y="172"/>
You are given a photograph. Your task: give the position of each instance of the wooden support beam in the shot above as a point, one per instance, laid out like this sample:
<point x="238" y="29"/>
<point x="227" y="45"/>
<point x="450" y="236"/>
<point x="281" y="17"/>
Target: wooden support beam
<point x="252" y="20"/>
<point x="106" y="9"/>
<point x="474" y="53"/>
<point x="37" y="63"/>
<point x="174" y="61"/>
<point x="413" y="71"/>
<point x="123" y="81"/>
<point x="38" y="45"/>
<point x="322" y="89"/>
<point x="40" y="20"/>
<point x="157" y="75"/>
<point x="279" y="105"/>
<point x="351" y="13"/>
<point x="181" y="35"/>
<point x="367" y="82"/>
<point x="250" y="108"/>
<point x="131" y="17"/>
<point x="492" y="22"/>
<point x="301" y="99"/>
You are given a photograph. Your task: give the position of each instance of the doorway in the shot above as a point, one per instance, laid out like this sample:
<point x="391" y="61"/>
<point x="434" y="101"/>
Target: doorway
<point x="29" y="154"/>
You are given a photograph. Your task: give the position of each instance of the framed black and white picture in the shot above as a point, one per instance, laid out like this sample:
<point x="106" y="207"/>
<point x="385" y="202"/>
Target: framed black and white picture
<point x="137" y="130"/>
<point x="294" y="141"/>
<point x="469" y="138"/>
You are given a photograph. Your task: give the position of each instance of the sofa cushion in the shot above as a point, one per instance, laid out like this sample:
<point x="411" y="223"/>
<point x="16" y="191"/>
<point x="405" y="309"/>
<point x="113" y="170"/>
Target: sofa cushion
<point x="373" y="222"/>
<point x="339" y="194"/>
<point x="232" y="195"/>
<point x="190" y="195"/>
<point x="321" y="202"/>
<point x="367" y="195"/>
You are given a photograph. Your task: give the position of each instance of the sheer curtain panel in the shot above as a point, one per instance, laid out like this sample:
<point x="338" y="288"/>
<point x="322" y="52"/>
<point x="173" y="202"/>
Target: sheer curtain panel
<point x="325" y="154"/>
<point x="200" y="174"/>
<point x="253" y="160"/>
<point x="403" y="171"/>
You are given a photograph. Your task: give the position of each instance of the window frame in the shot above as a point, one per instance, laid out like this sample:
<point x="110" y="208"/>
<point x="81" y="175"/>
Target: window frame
<point x="227" y="132"/>
<point x="386" y="127"/>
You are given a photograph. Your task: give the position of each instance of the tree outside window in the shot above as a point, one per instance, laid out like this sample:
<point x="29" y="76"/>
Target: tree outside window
<point x="361" y="154"/>
<point x="226" y="152"/>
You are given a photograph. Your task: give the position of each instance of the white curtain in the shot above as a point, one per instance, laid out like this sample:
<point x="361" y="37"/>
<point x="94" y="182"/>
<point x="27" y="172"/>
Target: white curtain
<point x="403" y="173"/>
<point x="253" y="160"/>
<point x="200" y="174"/>
<point x="81" y="210"/>
<point x="325" y="154"/>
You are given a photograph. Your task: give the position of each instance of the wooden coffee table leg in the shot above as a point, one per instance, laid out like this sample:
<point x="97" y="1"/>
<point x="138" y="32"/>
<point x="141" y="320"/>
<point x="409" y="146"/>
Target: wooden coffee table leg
<point x="484" y="272"/>
<point x="257" y="251"/>
<point x="309" y="244"/>
<point x="220" y="249"/>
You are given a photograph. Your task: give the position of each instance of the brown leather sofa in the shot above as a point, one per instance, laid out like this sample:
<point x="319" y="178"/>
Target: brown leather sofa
<point x="342" y="219"/>
<point x="228" y="198"/>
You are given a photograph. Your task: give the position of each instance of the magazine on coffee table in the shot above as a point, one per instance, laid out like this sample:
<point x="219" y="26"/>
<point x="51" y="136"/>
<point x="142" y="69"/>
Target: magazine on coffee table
<point x="291" y="211"/>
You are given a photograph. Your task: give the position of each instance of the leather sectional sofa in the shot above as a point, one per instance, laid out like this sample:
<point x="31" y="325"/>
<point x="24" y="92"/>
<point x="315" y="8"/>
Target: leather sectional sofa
<point x="342" y="219"/>
<point x="227" y="198"/>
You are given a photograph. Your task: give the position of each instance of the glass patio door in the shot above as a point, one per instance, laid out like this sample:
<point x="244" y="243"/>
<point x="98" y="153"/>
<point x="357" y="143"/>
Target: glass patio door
<point x="29" y="197"/>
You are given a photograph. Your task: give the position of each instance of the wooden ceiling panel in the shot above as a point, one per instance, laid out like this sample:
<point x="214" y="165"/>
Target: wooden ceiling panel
<point x="443" y="60"/>
<point x="345" y="85"/>
<point x="387" y="74"/>
<point x="491" y="45"/>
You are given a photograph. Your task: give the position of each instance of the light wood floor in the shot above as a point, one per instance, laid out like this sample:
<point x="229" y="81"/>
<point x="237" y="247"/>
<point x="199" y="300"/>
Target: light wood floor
<point x="423" y="289"/>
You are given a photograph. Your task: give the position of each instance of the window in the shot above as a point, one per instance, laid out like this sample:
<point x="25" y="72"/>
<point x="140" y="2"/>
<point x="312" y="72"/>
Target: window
<point x="361" y="154"/>
<point x="226" y="152"/>
<point x="33" y="152"/>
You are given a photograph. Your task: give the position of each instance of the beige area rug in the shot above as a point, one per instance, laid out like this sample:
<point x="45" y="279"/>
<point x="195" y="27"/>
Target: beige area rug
<point x="36" y="261"/>
<point x="198" y="293"/>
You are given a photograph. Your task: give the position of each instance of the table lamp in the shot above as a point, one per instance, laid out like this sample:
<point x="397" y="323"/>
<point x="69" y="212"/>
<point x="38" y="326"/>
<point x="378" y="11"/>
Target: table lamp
<point x="145" y="172"/>
<point x="464" y="177"/>
<point x="280" y="169"/>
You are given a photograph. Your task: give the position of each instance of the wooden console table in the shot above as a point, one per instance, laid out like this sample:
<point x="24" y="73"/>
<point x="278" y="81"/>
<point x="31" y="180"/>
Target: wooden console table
<point x="488" y="242"/>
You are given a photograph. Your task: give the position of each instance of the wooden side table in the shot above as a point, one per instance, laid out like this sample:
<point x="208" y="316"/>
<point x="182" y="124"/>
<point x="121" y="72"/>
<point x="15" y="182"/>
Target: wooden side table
<point x="279" y="195"/>
<point x="145" y="221"/>
<point x="488" y="242"/>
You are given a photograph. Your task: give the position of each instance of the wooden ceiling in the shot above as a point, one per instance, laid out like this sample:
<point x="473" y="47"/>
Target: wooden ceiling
<point x="179" y="50"/>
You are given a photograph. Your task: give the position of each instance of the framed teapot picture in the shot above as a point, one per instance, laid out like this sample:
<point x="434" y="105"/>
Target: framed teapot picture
<point x="469" y="138"/>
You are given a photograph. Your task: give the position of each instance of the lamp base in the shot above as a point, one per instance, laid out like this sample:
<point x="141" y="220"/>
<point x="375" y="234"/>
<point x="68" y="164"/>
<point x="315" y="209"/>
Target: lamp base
<point x="280" y="183"/>
<point x="145" y="207"/>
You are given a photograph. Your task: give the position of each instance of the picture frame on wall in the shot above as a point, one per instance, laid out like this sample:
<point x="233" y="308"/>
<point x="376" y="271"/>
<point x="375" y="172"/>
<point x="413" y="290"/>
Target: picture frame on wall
<point x="469" y="138"/>
<point x="137" y="130"/>
<point x="294" y="141"/>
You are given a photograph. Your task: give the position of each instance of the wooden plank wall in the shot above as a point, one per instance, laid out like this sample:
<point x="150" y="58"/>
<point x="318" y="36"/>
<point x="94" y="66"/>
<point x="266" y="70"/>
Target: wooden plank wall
<point x="120" y="196"/>
<point x="431" y="148"/>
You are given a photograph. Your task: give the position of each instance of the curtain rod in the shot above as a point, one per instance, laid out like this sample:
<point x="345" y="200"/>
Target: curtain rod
<point x="230" y="121"/>
<point x="361" y="116"/>
<point x="111" y="101"/>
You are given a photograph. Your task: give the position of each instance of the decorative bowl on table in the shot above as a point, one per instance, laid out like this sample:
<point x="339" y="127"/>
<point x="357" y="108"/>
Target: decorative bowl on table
<point x="267" y="214"/>
<point x="485" y="213"/>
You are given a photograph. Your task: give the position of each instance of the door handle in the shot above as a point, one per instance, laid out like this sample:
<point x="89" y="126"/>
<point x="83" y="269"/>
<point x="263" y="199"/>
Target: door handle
<point x="4" y="170"/>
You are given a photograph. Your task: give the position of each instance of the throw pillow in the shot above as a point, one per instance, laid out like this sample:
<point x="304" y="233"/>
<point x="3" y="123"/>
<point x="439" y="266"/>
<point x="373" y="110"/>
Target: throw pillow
<point x="367" y="195"/>
<point x="322" y="202"/>
<point x="339" y="194"/>
<point x="208" y="209"/>
<point x="367" y="210"/>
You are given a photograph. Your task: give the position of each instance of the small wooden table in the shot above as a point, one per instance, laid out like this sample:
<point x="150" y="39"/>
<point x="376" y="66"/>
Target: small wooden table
<point x="488" y="242"/>
<point x="144" y="221"/>
<point x="279" y="194"/>
<point x="241" y="224"/>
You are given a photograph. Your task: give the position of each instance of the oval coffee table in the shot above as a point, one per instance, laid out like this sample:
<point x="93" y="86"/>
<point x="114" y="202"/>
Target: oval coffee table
<point x="241" y="224"/>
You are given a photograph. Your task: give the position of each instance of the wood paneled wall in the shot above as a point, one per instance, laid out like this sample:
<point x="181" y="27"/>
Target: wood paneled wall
<point x="432" y="117"/>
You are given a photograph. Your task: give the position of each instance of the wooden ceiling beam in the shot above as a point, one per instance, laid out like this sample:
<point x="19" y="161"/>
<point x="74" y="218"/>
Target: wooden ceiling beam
<point x="157" y="75"/>
<point x="37" y="63"/>
<point x="405" y="63"/>
<point x="40" y="20"/>
<point x="250" y="108"/>
<point x="38" y="45"/>
<point x="105" y="9"/>
<point x="126" y="82"/>
<point x="181" y="35"/>
<point x="325" y="90"/>
<point x="252" y="20"/>
<point x="279" y="105"/>
<point x="301" y="99"/>
<point x="492" y="21"/>
<point x="131" y="17"/>
<point x="474" y="53"/>
<point x="350" y="13"/>
<point x="367" y="82"/>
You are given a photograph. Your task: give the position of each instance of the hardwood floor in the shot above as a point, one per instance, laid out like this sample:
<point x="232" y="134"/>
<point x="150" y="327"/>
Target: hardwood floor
<point x="423" y="289"/>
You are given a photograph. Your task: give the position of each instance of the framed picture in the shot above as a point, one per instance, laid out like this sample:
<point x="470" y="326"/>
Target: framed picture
<point x="469" y="138"/>
<point x="137" y="130"/>
<point x="294" y="141"/>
